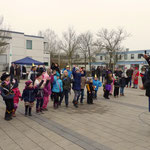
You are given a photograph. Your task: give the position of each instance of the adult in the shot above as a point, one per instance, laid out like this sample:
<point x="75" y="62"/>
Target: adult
<point x="135" y="78"/>
<point x="129" y="74"/>
<point x="98" y="72"/>
<point x="38" y="69"/>
<point x="18" y="72"/>
<point x="103" y="74"/>
<point x="32" y="74"/>
<point x="68" y="70"/>
<point x="93" y="71"/>
<point x="24" y="72"/>
<point x="12" y="72"/>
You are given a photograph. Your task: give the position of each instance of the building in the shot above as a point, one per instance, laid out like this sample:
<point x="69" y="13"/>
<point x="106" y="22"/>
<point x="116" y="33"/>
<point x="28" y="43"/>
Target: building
<point x="21" y="45"/>
<point x="125" y="59"/>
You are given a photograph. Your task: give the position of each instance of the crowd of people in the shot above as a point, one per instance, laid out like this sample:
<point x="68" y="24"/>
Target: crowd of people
<point x="44" y="84"/>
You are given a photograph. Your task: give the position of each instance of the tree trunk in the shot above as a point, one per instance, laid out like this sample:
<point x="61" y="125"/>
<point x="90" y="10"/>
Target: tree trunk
<point x="85" y="62"/>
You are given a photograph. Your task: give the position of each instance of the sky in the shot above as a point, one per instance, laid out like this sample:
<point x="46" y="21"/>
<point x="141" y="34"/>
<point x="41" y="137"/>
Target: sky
<point x="30" y="16"/>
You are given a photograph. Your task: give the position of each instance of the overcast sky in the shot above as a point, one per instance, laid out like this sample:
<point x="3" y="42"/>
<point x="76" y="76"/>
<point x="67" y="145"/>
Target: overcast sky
<point x="30" y="16"/>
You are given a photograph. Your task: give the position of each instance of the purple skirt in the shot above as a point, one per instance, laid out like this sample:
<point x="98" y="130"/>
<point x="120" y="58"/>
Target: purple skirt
<point x="108" y="87"/>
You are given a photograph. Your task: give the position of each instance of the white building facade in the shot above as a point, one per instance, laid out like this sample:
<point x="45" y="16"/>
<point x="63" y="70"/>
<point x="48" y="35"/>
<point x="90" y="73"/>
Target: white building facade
<point x="20" y="46"/>
<point x="126" y="59"/>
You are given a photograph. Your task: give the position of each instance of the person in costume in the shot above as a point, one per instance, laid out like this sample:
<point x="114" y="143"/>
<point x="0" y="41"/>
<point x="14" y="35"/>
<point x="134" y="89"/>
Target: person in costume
<point x="107" y="84"/>
<point x="7" y="94"/>
<point x="16" y="97"/>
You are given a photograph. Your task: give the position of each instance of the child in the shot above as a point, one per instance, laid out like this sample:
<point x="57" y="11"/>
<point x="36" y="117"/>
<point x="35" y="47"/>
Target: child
<point x="39" y="97"/>
<point x="76" y="85"/>
<point x="57" y="89"/>
<point x="66" y="87"/>
<point x="16" y="97"/>
<point x="28" y="96"/>
<point x="90" y="90"/>
<point x="83" y="83"/>
<point x="47" y="91"/>
<point x="107" y="85"/>
<point x="97" y="84"/>
<point x="7" y="94"/>
<point x="116" y="87"/>
<point x="122" y="84"/>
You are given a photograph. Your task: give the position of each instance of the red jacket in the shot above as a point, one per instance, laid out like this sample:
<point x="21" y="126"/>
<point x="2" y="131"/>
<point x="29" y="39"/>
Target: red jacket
<point x="17" y="95"/>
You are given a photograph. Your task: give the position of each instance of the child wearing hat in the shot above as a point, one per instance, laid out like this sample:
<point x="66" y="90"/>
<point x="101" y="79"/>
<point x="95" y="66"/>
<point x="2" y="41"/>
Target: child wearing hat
<point x="8" y="95"/>
<point x="97" y="84"/>
<point x="29" y="97"/>
<point x="16" y="97"/>
<point x="57" y="89"/>
<point x="90" y="89"/>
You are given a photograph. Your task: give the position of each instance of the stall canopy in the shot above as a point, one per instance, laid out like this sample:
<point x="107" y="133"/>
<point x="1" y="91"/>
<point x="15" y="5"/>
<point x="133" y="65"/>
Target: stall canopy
<point x="28" y="61"/>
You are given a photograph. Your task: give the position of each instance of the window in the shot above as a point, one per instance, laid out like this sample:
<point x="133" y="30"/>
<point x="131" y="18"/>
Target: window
<point x="132" y="56"/>
<point x="140" y="56"/>
<point x="120" y="57"/>
<point x="29" y="44"/>
<point x="101" y="57"/>
<point x="125" y="56"/>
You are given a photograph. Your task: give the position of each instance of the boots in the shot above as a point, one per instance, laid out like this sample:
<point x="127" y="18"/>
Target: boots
<point x="30" y="109"/>
<point x="26" y="110"/>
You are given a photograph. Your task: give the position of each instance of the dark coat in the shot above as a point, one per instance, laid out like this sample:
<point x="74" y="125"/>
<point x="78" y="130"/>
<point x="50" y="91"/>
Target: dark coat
<point x="6" y="91"/>
<point x="76" y="80"/>
<point x="66" y="83"/>
<point x="29" y="94"/>
<point x="122" y="82"/>
<point x="12" y="70"/>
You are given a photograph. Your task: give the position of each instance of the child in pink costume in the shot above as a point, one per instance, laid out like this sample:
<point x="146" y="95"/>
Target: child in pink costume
<point x="16" y="97"/>
<point x="47" y="90"/>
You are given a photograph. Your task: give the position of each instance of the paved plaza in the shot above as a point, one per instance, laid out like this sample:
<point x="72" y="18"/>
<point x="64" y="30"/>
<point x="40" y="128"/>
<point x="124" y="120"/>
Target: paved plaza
<point x="116" y="124"/>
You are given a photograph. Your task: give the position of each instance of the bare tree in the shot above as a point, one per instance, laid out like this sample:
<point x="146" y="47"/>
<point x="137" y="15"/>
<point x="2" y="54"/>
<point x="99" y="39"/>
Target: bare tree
<point x="51" y="42"/>
<point x="111" y="41"/>
<point x="87" y="47"/>
<point x="4" y="36"/>
<point x="69" y="44"/>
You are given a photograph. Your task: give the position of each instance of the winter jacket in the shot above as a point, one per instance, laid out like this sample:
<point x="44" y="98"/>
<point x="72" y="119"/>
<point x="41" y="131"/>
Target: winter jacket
<point x="76" y="80"/>
<point x="6" y="91"/>
<point x="47" y="87"/>
<point x="29" y="94"/>
<point x="90" y="87"/>
<point x="32" y="76"/>
<point x="66" y="83"/>
<point x="57" y="85"/>
<point x="116" y="83"/>
<point x="97" y="84"/>
<point x="122" y="82"/>
<point x="39" y="86"/>
<point x="129" y="73"/>
<point x="69" y="72"/>
<point x="17" y="95"/>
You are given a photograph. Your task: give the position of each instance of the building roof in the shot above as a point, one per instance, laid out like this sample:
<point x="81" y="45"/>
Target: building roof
<point x="34" y="36"/>
<point x="128" y="52"/>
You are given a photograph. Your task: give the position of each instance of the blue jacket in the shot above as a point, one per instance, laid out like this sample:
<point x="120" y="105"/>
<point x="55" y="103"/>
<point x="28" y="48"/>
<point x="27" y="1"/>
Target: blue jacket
<point x="97" y="83"/>
<point x="57" y="85"/>
<point x="76" y="80"/>
<point x="69" y="72"/>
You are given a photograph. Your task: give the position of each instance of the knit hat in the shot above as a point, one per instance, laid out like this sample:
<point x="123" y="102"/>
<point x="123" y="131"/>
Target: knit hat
<point x="77" y="68"/>
<point x="4" y="76"/>
<point x="28" y="82"/>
